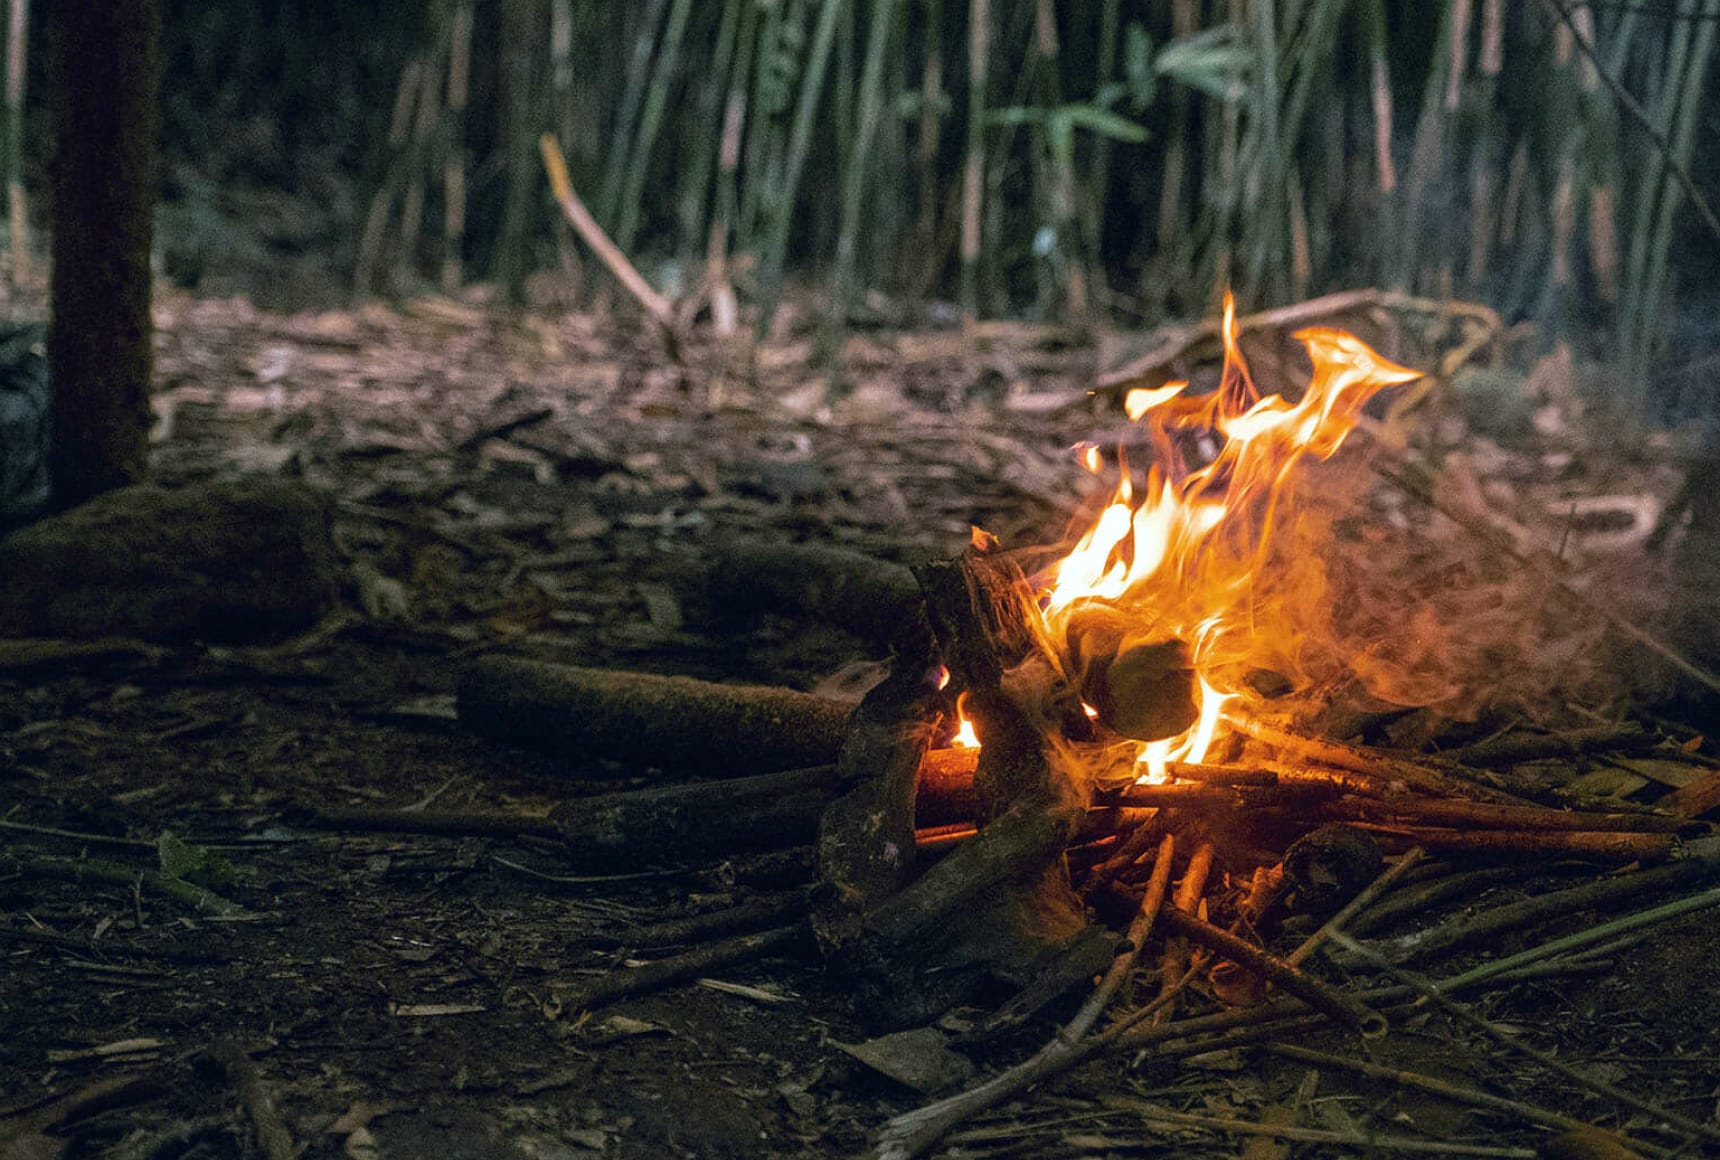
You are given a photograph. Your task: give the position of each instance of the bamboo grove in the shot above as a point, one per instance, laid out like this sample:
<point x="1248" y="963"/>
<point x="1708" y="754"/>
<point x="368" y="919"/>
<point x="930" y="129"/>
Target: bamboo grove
<point x="1074" y="159"/>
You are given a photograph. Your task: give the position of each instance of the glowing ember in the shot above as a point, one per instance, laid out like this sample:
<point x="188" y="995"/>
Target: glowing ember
<point x="1179" y="559"/>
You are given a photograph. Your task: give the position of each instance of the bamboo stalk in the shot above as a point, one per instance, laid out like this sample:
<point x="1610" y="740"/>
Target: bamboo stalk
<point x="973" y="171"/>
<point x="633" y="93"/>
<point x="657" y="90"/>
<point x="870" y="111"/>
<point x="454" y="148"/>
<point x="17" y="213"/>
<point x="799" y="143"/>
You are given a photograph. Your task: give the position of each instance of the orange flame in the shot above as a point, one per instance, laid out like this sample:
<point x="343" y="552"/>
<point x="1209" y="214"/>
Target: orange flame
<point x="965" y="737"/>
<point x="1180" y="559"/>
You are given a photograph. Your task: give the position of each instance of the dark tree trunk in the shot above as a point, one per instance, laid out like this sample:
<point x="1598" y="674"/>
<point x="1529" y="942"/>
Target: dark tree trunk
<point x="104" y="183"/>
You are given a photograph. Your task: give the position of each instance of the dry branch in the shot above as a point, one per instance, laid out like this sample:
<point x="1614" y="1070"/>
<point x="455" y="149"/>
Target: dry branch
<point x="1180" y="341"/>
<point x="1469" y="929"/>
<point x="1602" y="846"/>
<point x="1486" y="816"/>
<point x="1446" y="779"/>
<point x="654" y="976"/>
<point x="661" y="311"/>
<point x="1321" y="996"/>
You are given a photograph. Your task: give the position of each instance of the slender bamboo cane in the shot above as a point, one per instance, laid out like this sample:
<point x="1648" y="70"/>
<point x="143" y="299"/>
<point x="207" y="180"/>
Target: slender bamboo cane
<point x="799" y="142"/>
<point x="973" y="172"/>
<point x="17" y="215"/>
<point x="657" y="92"/>
<point x="454" y="154"/>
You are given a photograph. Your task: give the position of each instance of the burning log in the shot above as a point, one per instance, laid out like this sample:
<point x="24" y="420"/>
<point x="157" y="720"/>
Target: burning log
<point x="667" y="723"/>
<point x="1001" y="899"/>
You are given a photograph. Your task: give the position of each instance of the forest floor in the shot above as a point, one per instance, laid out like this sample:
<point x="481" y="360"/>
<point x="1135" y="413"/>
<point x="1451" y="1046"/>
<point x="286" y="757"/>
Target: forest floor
<point x="539" y="487"/>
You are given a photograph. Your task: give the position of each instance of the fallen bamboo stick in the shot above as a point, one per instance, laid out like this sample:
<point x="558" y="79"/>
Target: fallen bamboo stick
<point x="1514" y="1042"/>
<point x="1433" y="1085"/>
<point x="1446" y="779"/>
<point x="1487" y="816"/>
<point x="1518" y="747"/>
<point x="1469" y="928"/>
<point x="1609" y="846"/>
<point x="668" y="723"/>
<point x="660" y="309"/>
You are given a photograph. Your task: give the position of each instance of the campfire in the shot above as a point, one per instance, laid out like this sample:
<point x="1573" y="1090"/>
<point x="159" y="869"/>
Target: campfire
<point x="1097" y="761"/>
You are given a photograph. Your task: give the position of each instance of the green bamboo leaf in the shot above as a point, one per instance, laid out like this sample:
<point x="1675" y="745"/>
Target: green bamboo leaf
<point x="1102" y="121"/>
<point x="1212" y="61"/>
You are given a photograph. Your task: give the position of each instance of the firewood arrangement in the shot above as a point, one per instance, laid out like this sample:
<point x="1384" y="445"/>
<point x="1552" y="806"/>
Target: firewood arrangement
<point x="1003" y="876"/>
<point x="1218" y="894"/>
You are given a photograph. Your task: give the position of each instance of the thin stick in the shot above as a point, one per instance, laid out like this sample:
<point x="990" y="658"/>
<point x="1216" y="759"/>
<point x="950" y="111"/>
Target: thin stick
<point x="1552" y="1062"/>
<point x="1467" y="929"/>
<point x="1188" y="896"/>
<point x="1486" y="816"/>
<point x="1318" y="994"/>
<point x="1180" y="341"/>
<point x="1585" y="938"/>
<point x="1610" y="846"/>
<point x="1427" y="1083"/>
<point x="1381" y="1145"/>
<point x="1447" y="779"/>
<point x="654" y="976"/>
<point x="1365" y="898"/>
<point x="1151" y="903"/>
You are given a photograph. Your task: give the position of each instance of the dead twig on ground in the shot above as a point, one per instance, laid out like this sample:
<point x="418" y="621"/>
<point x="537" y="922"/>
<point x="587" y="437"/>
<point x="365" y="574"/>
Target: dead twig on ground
<point x="1457" y="1093"/>
<point x="654" y="976"/>
<point x="1321" y="996"/>
<point x="1178" y="342"/>
<point x="1363" y="899"/>
<point x="273" y="1136"/>
<point x="1515" y="1043"/>
<point x="1469" y="929"/>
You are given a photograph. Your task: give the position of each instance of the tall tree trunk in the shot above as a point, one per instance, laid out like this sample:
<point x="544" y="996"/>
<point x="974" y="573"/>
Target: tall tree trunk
<point x="104" y="185"/>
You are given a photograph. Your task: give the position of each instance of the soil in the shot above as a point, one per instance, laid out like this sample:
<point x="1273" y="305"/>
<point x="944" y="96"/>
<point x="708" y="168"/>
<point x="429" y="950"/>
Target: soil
<point x="509" y="483"/>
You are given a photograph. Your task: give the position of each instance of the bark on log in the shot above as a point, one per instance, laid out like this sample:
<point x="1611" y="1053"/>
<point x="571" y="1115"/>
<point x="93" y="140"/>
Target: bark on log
<point x="225" y="561"/>
<point x="870" y="598"/>
<point x="666" y="723"/>
<point x="687" y="823"/>
<point x="707" y="819"/>
<point x="866" y="838"/>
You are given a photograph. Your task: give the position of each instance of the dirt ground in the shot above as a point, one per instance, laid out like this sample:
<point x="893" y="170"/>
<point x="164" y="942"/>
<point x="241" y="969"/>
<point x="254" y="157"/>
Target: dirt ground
<point x="539" y="487"/>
